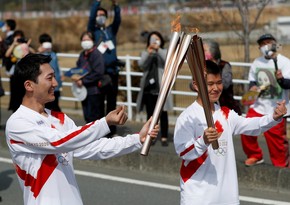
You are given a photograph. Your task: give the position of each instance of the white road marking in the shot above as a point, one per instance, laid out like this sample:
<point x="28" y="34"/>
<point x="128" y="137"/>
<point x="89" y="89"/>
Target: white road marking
<point x="158" y="185"/>
<point x="127" y="180"/>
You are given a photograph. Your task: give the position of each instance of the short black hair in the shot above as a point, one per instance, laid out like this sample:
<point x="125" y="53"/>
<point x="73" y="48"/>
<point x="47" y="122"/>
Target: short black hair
<point x="45" y="38"/>
<point x="19" y="33"/>
<point x="90" y="34"/>
<point x="212" y="68"/>
<point x="104" y="10"/>
<point x="11" y="23"/>
<point x="28" y="68"/>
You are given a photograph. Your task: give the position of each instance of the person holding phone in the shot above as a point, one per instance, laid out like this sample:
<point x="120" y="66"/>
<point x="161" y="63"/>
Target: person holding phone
<point x="152" y="63"/>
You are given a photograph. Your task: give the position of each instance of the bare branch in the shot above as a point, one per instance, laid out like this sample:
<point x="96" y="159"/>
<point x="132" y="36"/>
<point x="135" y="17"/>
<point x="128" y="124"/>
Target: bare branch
<point x="260" y="10"/>
<point x="225" y="18"/>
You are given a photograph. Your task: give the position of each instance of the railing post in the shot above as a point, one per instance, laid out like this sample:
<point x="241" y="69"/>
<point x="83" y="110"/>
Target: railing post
<point x="129" y="86"/>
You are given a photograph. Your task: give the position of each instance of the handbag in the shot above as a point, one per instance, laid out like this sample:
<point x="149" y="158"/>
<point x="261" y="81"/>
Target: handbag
<point x="105" y="83"/>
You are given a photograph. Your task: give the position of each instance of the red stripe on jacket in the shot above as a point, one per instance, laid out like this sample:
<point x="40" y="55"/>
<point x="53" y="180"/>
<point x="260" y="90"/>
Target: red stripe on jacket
<point x="58" y="115"/>
<point x="187" y="150"/>
<point x="48" y="165"/>
<point x="72" y="135"/>
<point x="15" y="142"/>
<point x="226" y="111"/>
<point x="187" y="171"/>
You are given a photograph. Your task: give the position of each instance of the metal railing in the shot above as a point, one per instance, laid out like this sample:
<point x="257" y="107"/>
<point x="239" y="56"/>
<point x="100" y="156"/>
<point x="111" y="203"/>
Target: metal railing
<point x="129" y="89"/>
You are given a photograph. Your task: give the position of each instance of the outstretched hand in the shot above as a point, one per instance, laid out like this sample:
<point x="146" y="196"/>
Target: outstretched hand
<point x="145" y="131"/>
<point x="117" y="116"/>
<point x="280" y="110"/>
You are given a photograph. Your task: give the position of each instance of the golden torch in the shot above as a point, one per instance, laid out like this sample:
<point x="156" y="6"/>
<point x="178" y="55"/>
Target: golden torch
<point x="174" y="59"/>
<point x="181" y="45"/>
<point x="196" y="62"/>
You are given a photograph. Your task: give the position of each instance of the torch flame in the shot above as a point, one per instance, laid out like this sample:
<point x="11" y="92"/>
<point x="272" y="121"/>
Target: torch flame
<point x="175" y="24"/>
<point x="192" y="30"/>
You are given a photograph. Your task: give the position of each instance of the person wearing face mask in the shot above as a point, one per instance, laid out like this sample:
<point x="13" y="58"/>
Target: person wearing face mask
<point x="278" y="66"/>
<point x="152" y="63"/>
<point x="45" y="48"/>
<point x="8" y="29"/>
<point x="91" y="60"/>
<point x="105" y="39"/>
<point x="212" y="52"/>
<point x="17" y="50"/>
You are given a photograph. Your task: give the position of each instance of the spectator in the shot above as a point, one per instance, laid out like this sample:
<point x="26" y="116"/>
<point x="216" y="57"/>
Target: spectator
<point x="152" y="62"/>
<point x="8" y="29"/>
<point x="276" y="137"/>
<point x="43" y="143"/>
<point x="209" y="176"/>
<point x="18" y="49"/>
<point x="213" y="53"/>
<point x="105" y="39"/>
<point x="45" y="48"/>
<point x="91" y="60"/>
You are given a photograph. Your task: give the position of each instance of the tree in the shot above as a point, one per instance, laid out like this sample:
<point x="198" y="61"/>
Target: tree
<point x="249" y="12"/>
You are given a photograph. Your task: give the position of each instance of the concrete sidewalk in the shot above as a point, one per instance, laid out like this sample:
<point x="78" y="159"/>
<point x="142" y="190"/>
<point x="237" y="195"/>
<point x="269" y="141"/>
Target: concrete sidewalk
<point x="164" y="161"/>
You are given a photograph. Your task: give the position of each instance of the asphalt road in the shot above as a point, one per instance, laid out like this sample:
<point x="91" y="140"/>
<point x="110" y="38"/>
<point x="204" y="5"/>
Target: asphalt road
<point x="104" y="186"/>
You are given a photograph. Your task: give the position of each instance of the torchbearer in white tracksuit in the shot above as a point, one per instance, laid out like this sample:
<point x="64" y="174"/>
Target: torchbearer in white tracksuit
<point x="43" y="143"/>
<point x="209" y="176"/>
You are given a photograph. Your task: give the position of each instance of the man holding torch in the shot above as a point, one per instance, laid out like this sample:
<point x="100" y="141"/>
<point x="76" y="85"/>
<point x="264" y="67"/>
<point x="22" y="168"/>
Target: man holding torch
<point x="209" y="176"/>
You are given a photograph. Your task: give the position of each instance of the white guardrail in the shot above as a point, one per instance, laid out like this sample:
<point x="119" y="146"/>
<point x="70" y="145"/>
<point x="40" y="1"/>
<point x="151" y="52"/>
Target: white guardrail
<point x="129" y="74"/>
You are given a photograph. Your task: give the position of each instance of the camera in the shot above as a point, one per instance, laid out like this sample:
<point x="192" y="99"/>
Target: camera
<point x="22" y="40"/>
<point x="273" y="47"/>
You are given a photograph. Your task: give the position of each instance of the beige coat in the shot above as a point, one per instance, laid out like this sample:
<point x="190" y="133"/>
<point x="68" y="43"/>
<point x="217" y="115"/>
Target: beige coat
<point x="168" y="105"/>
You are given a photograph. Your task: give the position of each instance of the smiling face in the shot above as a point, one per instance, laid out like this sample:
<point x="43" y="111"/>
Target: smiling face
<point x="43" y="89"/>
<point x="214" y="87"/>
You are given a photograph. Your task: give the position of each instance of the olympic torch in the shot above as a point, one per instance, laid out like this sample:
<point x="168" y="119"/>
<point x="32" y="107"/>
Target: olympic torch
<point x="175" y="56"/>
<point x="196" y="61"/>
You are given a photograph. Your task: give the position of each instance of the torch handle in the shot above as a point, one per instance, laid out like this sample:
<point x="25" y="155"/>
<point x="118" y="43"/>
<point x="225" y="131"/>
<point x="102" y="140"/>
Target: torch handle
<point x="215" y="144"/>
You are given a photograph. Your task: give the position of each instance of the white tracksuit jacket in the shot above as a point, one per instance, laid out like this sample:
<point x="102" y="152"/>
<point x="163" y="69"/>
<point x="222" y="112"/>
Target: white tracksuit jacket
<point x="209" y="176"/>
<point x="43" y="148"/>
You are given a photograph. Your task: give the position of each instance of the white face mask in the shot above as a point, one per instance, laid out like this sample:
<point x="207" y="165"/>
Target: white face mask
<point x="266" y="50"/>
<point x="47" y="45"/>
<point x="4" y="28"/>
<point x="87" y="44"/>
<point x="101" y="20"/>
<point x="154" y="40"/>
